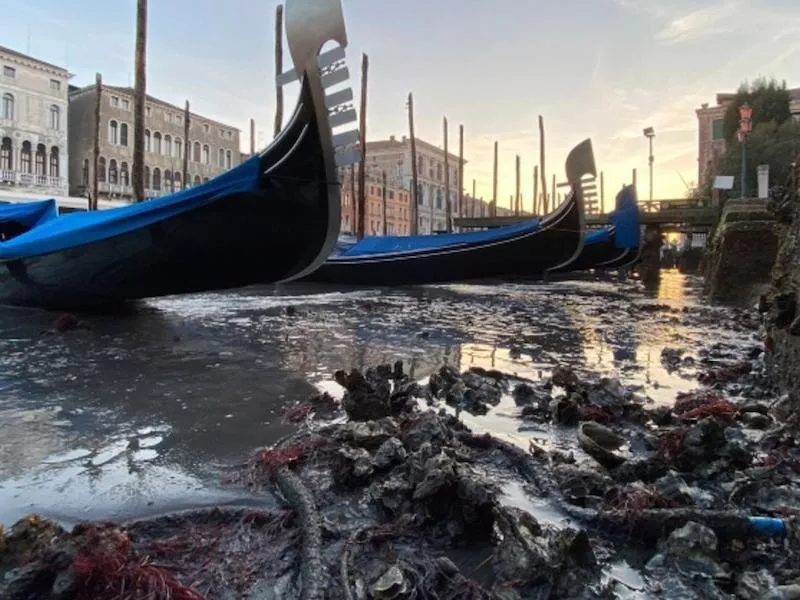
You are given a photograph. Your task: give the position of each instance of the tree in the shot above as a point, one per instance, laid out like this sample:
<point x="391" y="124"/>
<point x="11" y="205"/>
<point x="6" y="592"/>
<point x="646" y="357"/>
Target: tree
<point x="768" y="99"/>
<point x="769" y="144"/>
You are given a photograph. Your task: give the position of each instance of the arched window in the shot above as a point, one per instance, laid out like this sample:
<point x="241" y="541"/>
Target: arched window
<point x="8" y="106"/>
<point x="205" y="179"/>
<point x="86" y="172"/>
<point x="168" y="145"/>
<point x="25" y="157"/>
<point x="157" y="179"/>
<point x="196" y="180"/>
<point x="177" y="180"/>
<point x="101" y="169"/>
<point x="228" y="160"/>
<point x="147" y="140"/>
<point x="439" y="172"/>
<point x="124" y="174"/>
<point x="147" y="178"/>
<point x="179" y="147"/>
<point x="6" y="155"/>
<point x="221" y="158"/>
<point x="113" y="132"/>
<point x="55" y="168"/>
<point x="156" y="144"/>
<point x="206" y="152"/>
<point x="55" y="117"/>
<point x="196" y="152"/>
<point x="123" y="134"/>
<point x="41" y="158"/>
<point x="168" y="187"/>
<point x="112" y="172"/>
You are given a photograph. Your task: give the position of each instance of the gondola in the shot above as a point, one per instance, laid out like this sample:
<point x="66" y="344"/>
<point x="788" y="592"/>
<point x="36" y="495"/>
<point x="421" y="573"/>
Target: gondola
<point x="273" y="218"/>
<point x="613" y="246"/>
<point x="530" y="248"/>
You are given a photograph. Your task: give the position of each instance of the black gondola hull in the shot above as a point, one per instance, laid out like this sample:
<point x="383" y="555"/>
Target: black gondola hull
<point x="533" y="253"/>
<point x="604" y="255"/>
<point x="239" y="239"/>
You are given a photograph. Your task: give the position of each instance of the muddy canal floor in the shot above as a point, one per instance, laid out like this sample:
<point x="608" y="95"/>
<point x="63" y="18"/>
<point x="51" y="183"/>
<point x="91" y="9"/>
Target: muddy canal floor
<point x="570" y="440"/>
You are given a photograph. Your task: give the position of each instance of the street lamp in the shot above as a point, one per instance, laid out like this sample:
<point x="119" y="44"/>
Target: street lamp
<point x="745" y="127"/>
<point x="650" y="133"/>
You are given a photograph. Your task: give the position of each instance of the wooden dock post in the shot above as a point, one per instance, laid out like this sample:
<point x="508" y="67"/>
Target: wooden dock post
<point x="278" y="69"/>
<point x="633" y="175"/>
<point x="493" y="212"/>
<point x="460" y="208"/>
<point x="186" y="123"/>
<point x="139" y="92"/>
<point x="98" y="90"/>
<point x="602" y="194"/>
<point x="553" y="193"/>
<point x="474" y="200"/>
<point x="252" y="137"/>
<point x="362" y="188"/>
<point x="383" y="196"/>
<point x="536" y="190"/>
<point x="541" y="165"/>
<point x="448" y="210"/>
<point x="415" y="201"/>
<point x="353" y="201"/>
<point x="517" y="199"/>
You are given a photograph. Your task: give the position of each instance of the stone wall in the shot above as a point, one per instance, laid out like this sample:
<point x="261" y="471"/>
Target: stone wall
<point x="741" y="253"/>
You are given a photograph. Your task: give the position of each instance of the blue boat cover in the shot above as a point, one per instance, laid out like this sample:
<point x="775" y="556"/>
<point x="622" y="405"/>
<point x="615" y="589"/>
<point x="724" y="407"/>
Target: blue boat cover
<point x="412" y="243"/>
<point x="29" y="214"/>
<point x="597" y="236"/>
<point x="626" y="218"/>
<point x="80" y="228"/>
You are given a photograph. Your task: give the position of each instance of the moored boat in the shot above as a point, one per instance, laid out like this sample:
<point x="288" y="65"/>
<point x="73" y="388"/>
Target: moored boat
<point x="237" y="229"/>
<point x="530" y="248"/>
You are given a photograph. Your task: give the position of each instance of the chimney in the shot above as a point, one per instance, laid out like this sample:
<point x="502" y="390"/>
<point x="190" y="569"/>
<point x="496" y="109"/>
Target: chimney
<point x="705" y="105"/>
<point x="391" y="138"/>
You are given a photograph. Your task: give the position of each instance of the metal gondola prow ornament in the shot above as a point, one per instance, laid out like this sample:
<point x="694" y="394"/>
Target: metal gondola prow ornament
<point x="310" y="24"/>
<point x="580" y="162"/>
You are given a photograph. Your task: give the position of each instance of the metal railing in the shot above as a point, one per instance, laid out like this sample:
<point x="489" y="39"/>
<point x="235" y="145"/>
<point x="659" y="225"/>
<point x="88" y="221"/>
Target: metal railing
<point x="30" y="179"/>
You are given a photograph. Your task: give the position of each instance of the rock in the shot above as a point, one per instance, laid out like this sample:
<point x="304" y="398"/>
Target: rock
<point x="565" y="410"/>
<point x="599" y="442"/>
<point x="370" y="434"/>
<point x="660" y="415"/>
<point x="364" y="400"/>
<point x="427" y="428"/>
<point x="352" y="465"/>
<point x="394" y="495"/>
<point x="671" y="358"/>
<point x="564" y="377"/>
<point x="755" y="585"/>
<point x="756" y="420"/>
<point x="389" y="453"/>
<point x="691" y="549"/>
<point x="439" y="473"/>
<point x="581" y="487"/>
<point x="646" y="470"/>
<point x="392" y="584"/>
<point x="788" y="592"/>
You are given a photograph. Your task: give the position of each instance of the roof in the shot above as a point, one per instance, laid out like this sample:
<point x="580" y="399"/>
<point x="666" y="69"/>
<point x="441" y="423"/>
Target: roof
<point x="395" y="144"/>
<point x="32" y="59"/>
<point x="153" y="100"/>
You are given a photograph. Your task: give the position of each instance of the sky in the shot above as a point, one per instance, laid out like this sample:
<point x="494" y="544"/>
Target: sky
<point x="603" y="69"/>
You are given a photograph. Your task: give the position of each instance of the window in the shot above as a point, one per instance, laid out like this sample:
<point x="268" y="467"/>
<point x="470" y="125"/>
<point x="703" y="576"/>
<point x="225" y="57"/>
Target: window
<point x="124" y="174"/>
<point x="114" y="101"/>
<point x="8" y="106"/>
<point x="123" y="134"/>
<point x="179" y="119"/>
<point x="113" y="132"/>
<point x="167" y="145"/>
<point x="9" y="72"/>
<point x="147" y="144"/>
<point x="196" y="180"/>
<point x="196" y="152"/>
<point x="176" y="178"/>
<point x="112" y="172"/>
<point x="179" y="147"/>
<point x="25" y="157"/>
<point x="156" y="144"/>
<point x="126" y="104"/>
<point x="86" y="172"/>
<point x="221" y="133"/>
<point x="101" y="169"/>
<point x="55" y="118"/>
<point x="717" y="129"/>
<point x="230" y="135"/>
<point x="205" y="127"/>
<point x="146" y="177"/>
<point x="55" y="85"/>
<point x="157" y="179"/>
<point x="41" y="155"/>
<point x="205" y="179"/>
<point x="147" y="111"/>
<point x="228" y="159"/>
<point x="6" y="160"/>
<point x="221" y="157"/>
<point x="168" y="185"/>
<point x="206" y="152"/>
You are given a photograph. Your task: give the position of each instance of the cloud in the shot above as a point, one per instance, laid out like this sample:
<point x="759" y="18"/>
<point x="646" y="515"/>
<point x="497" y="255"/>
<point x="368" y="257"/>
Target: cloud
<point x="703" y="22"/>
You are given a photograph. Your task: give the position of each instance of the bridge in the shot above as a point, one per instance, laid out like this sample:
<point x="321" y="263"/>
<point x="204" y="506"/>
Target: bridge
<point x="676" y="215"/>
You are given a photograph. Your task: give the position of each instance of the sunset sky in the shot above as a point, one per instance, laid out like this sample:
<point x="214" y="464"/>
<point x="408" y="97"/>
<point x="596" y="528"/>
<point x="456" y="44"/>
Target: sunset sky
<point x="603" y="69"/>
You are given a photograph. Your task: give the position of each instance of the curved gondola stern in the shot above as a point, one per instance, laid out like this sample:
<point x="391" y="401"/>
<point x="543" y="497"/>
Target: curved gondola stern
<point x="580" y="162"/>
<point x="310" y="24"/>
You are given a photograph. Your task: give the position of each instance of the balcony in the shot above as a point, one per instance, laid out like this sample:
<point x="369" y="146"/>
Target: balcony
<point x="31" y="180"/>
<point x="120" y="190"/>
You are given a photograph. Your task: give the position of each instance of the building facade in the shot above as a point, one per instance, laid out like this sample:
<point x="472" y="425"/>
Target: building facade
<point x="398" y="205"/>
<point x="33" y="124"/>
<point x="212" y="147"/>
<point x="711" y="131"/>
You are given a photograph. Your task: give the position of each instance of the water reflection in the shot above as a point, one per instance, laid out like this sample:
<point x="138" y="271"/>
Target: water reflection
<point x="135" y="412"/>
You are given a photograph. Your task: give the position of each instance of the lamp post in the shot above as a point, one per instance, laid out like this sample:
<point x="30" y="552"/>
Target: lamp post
<point x="745" y="127"/>
<point x="650" y="133"/>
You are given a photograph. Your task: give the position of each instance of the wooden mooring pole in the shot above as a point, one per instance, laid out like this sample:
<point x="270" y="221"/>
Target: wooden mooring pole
<point x="448" y="210"/>
<point x="493" y="212"/>
<point x="139" y="95"/>
<point x="415" y="200"/>
<point x="541" y="165"/>
<point x="517" y="197"/>
<point x="383" y="197"/>
<point x="536" y="190"/>
<point x="460" y="208"/>
<point x="362" y="188"/>
<point x="278" y="69"/>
